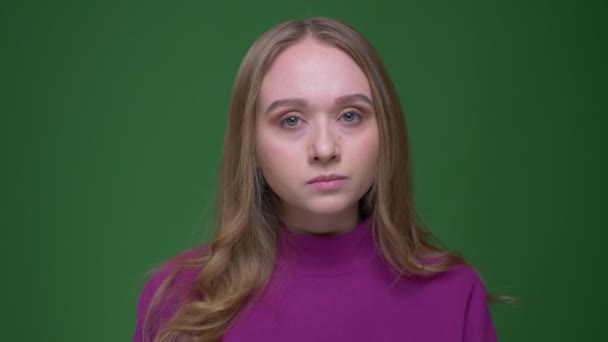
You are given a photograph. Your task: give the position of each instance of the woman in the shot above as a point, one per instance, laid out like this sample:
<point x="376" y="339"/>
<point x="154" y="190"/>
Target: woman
<point x="317" y="236"/>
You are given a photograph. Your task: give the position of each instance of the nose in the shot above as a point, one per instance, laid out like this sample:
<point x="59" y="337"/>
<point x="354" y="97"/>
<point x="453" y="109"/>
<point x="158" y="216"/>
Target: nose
<point x="324" y="146"/>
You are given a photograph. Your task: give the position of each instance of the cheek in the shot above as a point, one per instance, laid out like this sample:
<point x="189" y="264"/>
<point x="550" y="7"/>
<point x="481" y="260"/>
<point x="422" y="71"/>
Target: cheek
<point x="368" y="147"/>
<point x="367" y="153"/>
<point x="275" y="158"/>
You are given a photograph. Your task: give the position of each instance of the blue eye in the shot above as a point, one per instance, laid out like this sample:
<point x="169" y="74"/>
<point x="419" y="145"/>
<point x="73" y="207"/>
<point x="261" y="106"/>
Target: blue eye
<point x="350" y="117"/>
<point x="291" y="121"/>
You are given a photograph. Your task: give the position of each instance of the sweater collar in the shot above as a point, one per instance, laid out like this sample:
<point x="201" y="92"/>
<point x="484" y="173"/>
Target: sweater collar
<point x="326" y="254"/>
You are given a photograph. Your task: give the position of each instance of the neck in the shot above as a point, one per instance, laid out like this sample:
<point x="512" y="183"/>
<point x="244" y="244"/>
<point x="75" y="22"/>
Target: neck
<point x="304" y="222"/>
<point x="324" y="253"/>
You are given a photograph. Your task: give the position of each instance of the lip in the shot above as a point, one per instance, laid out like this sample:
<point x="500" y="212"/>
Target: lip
<point x="328" y="182"/>
<point x="326" y="178"/>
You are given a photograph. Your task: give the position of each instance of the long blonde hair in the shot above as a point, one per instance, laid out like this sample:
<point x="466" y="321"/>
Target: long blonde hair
<point x="239" y="259"/>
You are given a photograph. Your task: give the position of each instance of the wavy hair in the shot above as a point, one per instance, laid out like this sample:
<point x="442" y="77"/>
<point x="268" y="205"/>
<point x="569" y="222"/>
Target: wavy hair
<point x="239" y="259"/>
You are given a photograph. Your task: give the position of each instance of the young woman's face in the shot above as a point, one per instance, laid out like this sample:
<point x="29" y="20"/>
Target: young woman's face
<point x="315" y="118"/>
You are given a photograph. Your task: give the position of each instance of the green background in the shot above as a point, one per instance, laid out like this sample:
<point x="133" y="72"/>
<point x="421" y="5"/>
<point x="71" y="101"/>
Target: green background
<point x="113" y="115"/>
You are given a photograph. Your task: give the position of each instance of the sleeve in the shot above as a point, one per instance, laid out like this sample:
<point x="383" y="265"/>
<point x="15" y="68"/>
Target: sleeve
<point x="478" y="323"/>
<point x="143" y="305"/>
<point x="182" y="289"/>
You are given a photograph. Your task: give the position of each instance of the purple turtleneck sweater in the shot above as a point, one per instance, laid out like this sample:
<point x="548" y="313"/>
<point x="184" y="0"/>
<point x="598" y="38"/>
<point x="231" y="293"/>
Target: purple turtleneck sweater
<point x="337" y="288"/>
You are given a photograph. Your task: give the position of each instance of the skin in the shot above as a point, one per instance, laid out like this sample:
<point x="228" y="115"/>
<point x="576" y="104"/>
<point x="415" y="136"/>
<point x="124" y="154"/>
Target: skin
<point x="323" y="131"/>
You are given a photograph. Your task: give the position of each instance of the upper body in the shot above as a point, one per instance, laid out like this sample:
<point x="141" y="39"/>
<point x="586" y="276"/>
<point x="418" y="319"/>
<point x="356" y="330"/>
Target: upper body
<point x="316" y="140"/>
<point x="338" y="288"/>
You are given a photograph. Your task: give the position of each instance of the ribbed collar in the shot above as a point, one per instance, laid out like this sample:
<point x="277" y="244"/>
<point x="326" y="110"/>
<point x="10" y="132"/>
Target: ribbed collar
<point x="326" y="254"/>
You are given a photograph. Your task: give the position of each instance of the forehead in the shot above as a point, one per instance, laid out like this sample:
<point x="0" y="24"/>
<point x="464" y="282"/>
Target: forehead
<point x="313" y="71"/>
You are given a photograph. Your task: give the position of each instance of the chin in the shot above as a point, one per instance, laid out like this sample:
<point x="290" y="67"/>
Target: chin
<point x="329" y="207"/>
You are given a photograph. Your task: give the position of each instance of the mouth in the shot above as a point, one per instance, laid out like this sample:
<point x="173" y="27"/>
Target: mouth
<point x="326" y="178"/>
<point x="328" y="182"/>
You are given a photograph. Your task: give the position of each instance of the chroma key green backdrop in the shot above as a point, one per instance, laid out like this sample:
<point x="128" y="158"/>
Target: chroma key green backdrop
<point x="113" y="115"/>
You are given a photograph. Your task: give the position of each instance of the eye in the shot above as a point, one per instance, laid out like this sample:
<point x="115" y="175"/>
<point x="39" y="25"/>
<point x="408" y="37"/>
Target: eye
<point x="350" y="117"/>
<point x="291" y="121"/>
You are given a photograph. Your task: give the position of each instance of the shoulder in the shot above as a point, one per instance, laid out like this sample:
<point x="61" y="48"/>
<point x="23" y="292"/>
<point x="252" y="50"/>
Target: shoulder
<point x="459" y="276"/>
<point x="177" y="284"/>
<point x="454" y="286"/>
<point x="462" y="282"/>
<point x="173" y="267"/>
<point x="478" y="324"/>
<point x="461" y="295"/>
<point x="468" y="292"/>
<point x="462" y="276"/>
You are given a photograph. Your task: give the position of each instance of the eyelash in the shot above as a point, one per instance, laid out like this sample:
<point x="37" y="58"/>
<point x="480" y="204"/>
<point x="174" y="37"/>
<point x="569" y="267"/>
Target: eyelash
<point x="357" y="115"/>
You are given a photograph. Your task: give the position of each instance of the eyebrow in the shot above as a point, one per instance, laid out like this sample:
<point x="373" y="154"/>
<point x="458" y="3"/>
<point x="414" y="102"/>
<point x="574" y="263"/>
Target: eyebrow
<point x="353" y="98"/>
<point x="299" y="102"/>
<point x="286" y="103"/>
